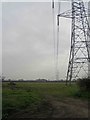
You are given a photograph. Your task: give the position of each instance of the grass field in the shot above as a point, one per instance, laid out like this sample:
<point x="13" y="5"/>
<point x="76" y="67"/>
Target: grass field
<point x="43" y="100"/>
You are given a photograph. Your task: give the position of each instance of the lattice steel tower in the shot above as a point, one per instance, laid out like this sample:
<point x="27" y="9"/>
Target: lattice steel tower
<point x="80" y="44"/>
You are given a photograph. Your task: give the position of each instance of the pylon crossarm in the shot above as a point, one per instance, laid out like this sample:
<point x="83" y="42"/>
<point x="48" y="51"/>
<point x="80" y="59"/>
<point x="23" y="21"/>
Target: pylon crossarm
<point x="68" y="13"/>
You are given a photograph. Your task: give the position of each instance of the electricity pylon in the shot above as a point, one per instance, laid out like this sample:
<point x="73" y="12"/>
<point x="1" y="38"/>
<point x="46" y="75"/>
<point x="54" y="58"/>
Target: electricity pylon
<point x="80" y="44"/>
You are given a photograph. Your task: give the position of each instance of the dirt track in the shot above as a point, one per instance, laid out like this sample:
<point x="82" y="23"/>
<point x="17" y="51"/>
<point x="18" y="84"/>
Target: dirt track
<point x="70" y="108"/>
<point x="53" y="108"/>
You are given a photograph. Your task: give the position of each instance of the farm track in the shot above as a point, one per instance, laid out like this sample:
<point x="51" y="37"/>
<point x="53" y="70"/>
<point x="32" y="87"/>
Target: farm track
<point x="55" y="108"/>
<point x="70" y="108"/>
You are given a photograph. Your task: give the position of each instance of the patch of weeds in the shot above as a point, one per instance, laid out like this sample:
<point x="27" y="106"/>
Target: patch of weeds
<point x="82" y="95"/>
<point x="17" y="100"/>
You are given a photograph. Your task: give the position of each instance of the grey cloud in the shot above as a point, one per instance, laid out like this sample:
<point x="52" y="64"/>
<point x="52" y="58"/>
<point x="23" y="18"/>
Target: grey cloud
<point x="28" y="41"/>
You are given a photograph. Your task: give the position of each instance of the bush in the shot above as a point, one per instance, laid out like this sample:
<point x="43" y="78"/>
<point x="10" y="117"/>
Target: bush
<point x="84" y="84"/>
<point x="12" y="85"/>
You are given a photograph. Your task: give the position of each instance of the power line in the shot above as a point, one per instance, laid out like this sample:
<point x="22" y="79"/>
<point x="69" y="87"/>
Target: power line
<point x="54" y="42"/>
<point x="57" y="47"/>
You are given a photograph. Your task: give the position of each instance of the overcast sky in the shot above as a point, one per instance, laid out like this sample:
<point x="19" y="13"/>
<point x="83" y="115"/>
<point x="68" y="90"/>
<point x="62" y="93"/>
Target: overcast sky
<point x="28" y="47"/>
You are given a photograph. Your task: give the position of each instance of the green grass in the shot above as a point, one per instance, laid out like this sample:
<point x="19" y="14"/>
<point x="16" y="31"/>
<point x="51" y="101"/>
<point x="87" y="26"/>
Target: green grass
<point x="54" y="89"/>
<point x="27" y="94"/>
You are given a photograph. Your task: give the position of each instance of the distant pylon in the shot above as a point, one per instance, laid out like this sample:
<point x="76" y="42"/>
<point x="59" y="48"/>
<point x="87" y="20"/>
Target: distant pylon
<point x="80" y="41"/>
